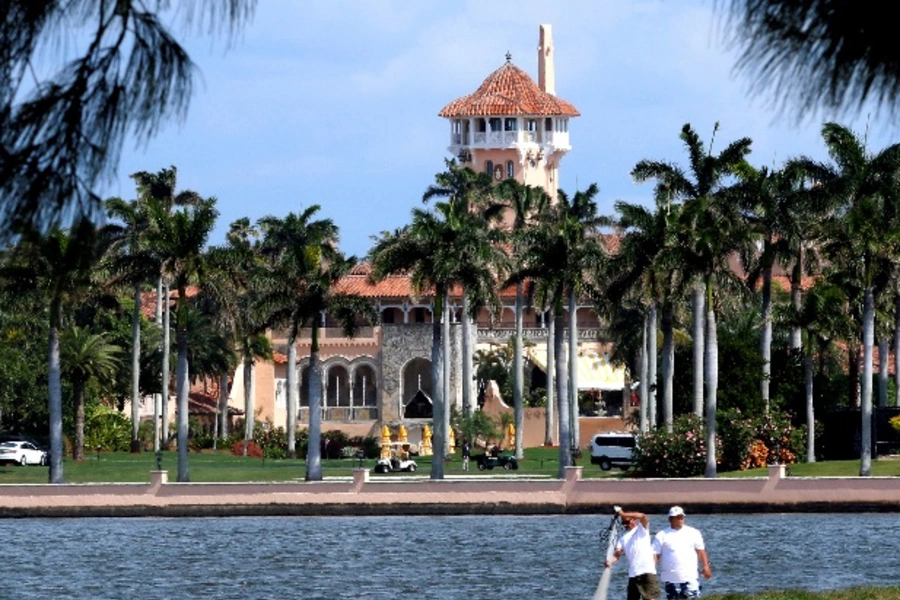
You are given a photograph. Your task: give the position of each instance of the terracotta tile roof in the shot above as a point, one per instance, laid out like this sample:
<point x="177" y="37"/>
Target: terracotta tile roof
<point x="148" y="300"/>
<point x="508" y="91"/>
<point x="202" y="398"/>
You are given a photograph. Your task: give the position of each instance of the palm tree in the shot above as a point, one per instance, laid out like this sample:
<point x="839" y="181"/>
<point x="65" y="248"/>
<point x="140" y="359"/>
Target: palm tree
<point x="85" y="356"/>
<point x="130" y="259"/>
<point x="301" y="286"/>
<point x="823" y="317"/>
<point x="440" y="249"/>
<point x="711" y="230"/>
<point x="647" y="264"/>
<point x="59" y="267"/>
<point x="469" y="191"/>
<point x="159" y="189"/>
<point x="525" y="201"/>
<point x="178" y="242"/>
<point x="555" y="256"/>
<point x="818" y="54"/>
<point x="781" y="211"/>
<point x="862" y="236"/>
<point x="293" y="248"/>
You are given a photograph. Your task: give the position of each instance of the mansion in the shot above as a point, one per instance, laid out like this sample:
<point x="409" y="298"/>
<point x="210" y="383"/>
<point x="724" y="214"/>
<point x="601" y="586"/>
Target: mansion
<point x="510" y="127"/>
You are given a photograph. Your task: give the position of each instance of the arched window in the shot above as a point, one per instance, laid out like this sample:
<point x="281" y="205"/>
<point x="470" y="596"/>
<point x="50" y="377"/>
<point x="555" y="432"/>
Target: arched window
<point x="510" y="169"/>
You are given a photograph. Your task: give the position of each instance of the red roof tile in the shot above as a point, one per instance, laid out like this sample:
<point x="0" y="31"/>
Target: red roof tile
<point x="508" y="91"/>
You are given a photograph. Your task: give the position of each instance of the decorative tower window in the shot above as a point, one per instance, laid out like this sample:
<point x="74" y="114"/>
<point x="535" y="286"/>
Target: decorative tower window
<point x="510" y="169"/>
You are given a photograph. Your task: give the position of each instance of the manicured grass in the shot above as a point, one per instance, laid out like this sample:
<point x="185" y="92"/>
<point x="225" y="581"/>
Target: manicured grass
<point x="883" y="467"/>
<point x="866" y="593"/>
<point x="207" y="466"/>
<point x="122" y="467"/>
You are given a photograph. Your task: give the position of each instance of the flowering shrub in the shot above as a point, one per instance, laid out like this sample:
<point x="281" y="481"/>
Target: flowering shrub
<point x="735" y="432"/>
<point x="895" y="423"/>
<point x="253" y="449"/>
<point x="774" y="430"/>
<point x="681" y="453"/>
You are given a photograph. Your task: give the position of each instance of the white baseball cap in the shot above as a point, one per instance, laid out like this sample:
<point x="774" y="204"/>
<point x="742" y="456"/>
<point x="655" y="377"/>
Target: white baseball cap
<point x="676" y="511"/>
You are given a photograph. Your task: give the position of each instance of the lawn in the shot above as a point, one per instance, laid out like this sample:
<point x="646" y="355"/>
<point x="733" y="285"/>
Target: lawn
<point x="207" y="466"/>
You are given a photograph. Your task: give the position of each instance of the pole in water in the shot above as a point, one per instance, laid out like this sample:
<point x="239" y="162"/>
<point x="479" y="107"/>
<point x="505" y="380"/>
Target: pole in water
<point x="610" y="535"/>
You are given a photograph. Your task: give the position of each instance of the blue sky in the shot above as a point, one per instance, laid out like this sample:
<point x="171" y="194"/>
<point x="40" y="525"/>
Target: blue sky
<point x="335" y="102"/>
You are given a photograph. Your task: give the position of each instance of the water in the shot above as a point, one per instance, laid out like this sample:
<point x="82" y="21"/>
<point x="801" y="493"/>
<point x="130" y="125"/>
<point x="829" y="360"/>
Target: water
<point x="428" y="558"/>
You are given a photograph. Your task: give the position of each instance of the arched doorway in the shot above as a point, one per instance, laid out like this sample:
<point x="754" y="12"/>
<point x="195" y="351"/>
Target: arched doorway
<point x="416" y="378"/>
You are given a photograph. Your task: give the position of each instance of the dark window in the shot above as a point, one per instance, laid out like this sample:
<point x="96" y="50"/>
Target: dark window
<point x="510" y="169"/>
<point x="489" y="168"/>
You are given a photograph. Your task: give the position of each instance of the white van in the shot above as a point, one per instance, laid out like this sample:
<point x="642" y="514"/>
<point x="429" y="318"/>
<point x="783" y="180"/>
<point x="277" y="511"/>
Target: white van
<point x="612" y="449"/>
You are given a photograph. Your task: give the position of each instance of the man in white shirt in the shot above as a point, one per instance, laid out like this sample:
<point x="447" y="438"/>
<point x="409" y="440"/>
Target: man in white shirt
<point x="680" y="549"/>
<point x="635" y="544"/>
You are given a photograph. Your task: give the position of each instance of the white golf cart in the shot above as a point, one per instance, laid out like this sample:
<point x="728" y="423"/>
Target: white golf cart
<point x="399" y="460"/>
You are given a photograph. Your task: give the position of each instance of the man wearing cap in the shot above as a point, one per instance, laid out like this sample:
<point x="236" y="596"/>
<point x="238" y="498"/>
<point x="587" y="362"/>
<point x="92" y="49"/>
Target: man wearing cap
<point x="636" y="545"/>
<point x="679" y="549"/>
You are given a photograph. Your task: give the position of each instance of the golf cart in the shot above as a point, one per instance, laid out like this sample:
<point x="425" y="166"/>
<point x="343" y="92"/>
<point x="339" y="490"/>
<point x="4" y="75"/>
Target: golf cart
<point x="501" y="461"/>
<point x="399" y="460"/>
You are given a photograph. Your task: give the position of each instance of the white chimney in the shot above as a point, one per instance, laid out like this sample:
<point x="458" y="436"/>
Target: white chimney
<point x="546" y="73"/>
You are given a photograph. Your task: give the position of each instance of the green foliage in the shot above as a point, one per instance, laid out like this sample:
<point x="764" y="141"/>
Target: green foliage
<point x="473" y="426"/>
<point x="735" y="432"/>
<point x="106" y="428"/>
<point x="681" y="453"/>
<point x="370" y="445"/>
<point x="272" y="441"/>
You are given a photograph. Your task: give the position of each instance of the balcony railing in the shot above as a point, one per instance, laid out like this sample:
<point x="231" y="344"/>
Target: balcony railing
<point x="342" y="413"/>
<point x="510" y="139"/>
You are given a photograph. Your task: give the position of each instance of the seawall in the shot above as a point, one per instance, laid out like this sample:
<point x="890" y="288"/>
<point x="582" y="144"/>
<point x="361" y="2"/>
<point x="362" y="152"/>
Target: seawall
<point x="422" y="496"/>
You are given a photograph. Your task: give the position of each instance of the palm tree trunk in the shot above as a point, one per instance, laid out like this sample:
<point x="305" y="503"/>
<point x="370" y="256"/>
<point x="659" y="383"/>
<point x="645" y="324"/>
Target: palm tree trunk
<point x="223" y="406"/>
<point x="668" y="364"/>
<point x="445" y="375"/>
<point x="642" y="390"/>
<point x="136" y="371"/>
<point x="897" y="351"/>
<point x="697" y="311"/>
<point x="575" y="432"/>
<point x="467" y="359"/>
<point x="652" y="410"/>
<point x="55" y="400"/>
<point x="865" y="450"/>
<point x="157" y="398"/>
<point x="182" y="387"/>
<point x="883" y="350"/>
<point x="712" y="382"/>
<point x="78" y="446"/>
<point x="796" y="298"/>
<point x="565" y="455"/>
<point x="292" y="391"/>
<point x="437" y="390"/>
<point x="249" y="409"/>
<point x="810" y="408"/>
<point x="549" y="423"/>
<point x="314" y="449"/>
<point x="518" y="401"/>
<point x="765" y="336"/>
<point x="165" y="369"/>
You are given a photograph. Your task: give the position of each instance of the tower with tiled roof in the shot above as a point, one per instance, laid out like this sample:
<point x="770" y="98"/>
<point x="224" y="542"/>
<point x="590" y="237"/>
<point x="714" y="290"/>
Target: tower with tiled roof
<point x="511" y="127"/>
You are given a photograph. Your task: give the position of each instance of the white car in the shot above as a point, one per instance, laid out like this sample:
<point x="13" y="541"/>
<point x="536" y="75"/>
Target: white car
<point x="22" y="453"/>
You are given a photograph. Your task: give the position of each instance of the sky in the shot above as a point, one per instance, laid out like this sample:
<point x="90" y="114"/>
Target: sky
<point x="335" y="102"/>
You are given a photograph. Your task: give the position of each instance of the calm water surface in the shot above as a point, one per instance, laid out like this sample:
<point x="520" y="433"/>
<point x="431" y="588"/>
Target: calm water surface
<point x="433" y="558"/>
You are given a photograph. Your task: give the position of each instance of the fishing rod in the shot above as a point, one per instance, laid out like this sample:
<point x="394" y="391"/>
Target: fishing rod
<point x="608" y="534"/>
